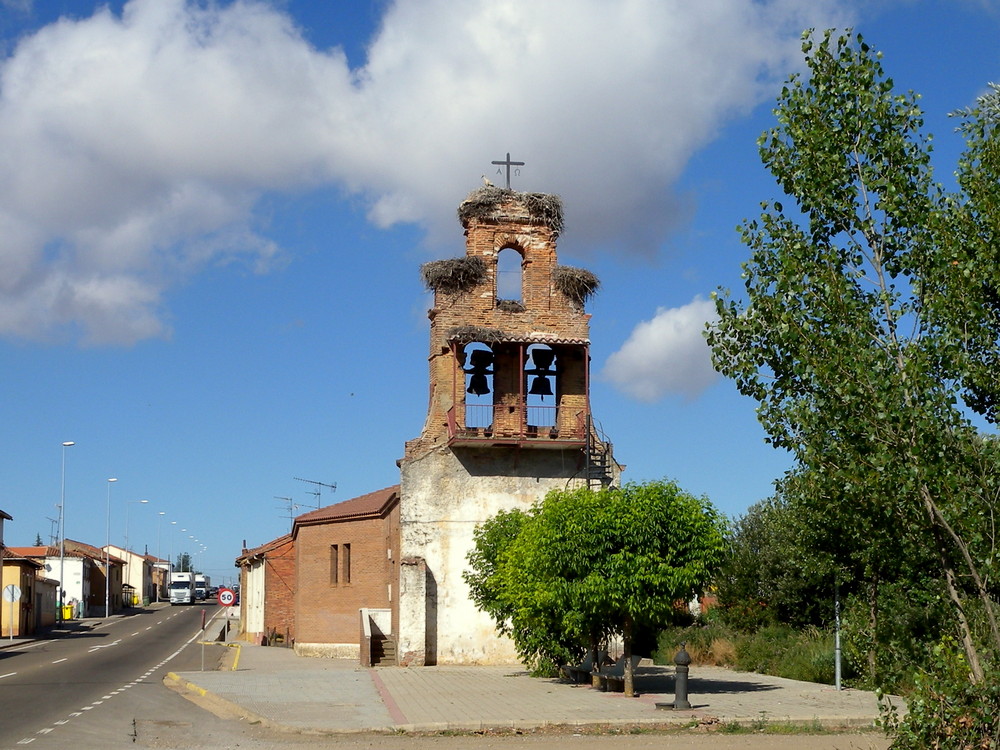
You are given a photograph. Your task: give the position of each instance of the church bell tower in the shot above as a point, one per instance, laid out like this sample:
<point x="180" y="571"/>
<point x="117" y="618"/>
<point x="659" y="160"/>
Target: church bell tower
<point x="509" y="413"/>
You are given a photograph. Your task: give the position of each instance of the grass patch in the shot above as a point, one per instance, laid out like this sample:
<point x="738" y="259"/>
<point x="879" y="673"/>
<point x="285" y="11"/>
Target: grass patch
<point x="778" y="650"/>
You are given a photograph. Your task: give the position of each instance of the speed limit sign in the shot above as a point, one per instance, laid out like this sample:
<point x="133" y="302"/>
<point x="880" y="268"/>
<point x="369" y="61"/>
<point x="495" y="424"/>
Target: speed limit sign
<point x="227" y="597"/>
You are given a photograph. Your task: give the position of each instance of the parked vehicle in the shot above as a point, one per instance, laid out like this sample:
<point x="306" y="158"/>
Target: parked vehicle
<point x="182" y="589"/>
<point x="201" y="585"/>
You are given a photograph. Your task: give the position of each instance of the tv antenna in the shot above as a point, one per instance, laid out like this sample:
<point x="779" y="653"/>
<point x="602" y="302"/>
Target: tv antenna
<point x="291" y="508"/>
<point x="319" y="488"/>
<point x="53" y="536"/>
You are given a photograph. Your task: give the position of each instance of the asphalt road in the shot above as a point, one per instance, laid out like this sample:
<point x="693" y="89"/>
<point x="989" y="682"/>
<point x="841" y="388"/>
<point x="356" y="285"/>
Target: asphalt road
<point x="103" y="690"/>
<point x="85" y="690"/>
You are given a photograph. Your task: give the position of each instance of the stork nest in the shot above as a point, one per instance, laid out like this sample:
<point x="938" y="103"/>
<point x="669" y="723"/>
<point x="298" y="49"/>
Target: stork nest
<point x="576" y="283"/>
<point x="454" y="274"/>
<point x="494" y="204"/>
<point x="509" y="306"/>
<point x="468" y="334"/>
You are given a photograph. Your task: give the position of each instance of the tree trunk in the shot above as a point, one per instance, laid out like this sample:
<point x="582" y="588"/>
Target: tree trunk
<point x="627" y="645"/>
<point x="873" y="625"/>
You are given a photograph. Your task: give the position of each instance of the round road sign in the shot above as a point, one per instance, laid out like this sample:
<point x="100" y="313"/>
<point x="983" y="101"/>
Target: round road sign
<point x="11" y="593"/>
<point x="227" y="597"/>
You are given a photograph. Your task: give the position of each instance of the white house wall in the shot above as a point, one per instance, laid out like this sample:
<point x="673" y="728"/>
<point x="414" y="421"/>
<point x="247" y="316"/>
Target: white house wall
<point x="443" y="499"/>
<point x="253" y="598"/>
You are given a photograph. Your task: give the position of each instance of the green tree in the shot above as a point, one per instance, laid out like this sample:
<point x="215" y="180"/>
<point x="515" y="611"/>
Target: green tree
<point x="183" y="563"/>
<point x="853" y="337"/>
<point x="583" y="565"/>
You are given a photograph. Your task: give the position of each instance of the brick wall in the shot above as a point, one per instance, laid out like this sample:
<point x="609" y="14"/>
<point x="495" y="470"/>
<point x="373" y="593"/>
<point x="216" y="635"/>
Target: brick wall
<point x="279" y="588"/>
<point x="326" y="611"/>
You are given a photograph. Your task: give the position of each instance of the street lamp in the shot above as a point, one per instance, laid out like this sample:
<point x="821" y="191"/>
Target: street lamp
<point x="62" y="534"/>
<point x="128" y="556"/>
<point x="159" y="521"/>
<point x="128" y="503"/>
<point x="107" y="556"/>
<point x="170" y="556"/>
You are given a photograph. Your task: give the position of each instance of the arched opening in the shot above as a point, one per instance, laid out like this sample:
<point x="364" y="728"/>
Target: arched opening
<point x="509" y="280"/>
<point x="541" y="380"/>
<point x="478" y="369"/>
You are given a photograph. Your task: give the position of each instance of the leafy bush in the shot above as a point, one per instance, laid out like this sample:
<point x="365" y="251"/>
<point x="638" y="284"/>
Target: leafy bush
<point x="946" y="709"/>
<point x="777" y="650"/>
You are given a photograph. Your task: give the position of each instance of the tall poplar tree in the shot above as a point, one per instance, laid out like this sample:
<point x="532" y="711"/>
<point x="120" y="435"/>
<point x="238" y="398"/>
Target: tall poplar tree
<point x="868" y="325"/>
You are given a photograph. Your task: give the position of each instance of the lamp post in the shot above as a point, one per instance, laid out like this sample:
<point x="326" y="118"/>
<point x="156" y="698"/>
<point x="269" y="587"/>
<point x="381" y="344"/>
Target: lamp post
<point x="128" y="503"/>
<point x="170" y="556"/>
<point x="159" y="522"/>
<point x="107" y="556"/>
<point x="62" y="534"/>
<point x="128" y="556"/>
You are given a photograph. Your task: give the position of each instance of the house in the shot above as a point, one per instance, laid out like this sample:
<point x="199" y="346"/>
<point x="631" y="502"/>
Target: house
<point x="84" y="567"/>
<point x="35" y="608"/>
<point x="267" y="592"/>
<point x="137" y="576"/>
<point x="346" y="560"/>
<point x="508" y="420"/>
<point x="310" y="587"/>
<point x="160" y="575"/>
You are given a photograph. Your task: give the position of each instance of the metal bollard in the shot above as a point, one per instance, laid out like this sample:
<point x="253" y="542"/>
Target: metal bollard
<point x="681" y="662"/>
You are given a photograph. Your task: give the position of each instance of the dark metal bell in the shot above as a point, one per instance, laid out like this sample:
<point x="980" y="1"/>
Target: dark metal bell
<point x="478" y="385"/>
<point x="540" y="386"/>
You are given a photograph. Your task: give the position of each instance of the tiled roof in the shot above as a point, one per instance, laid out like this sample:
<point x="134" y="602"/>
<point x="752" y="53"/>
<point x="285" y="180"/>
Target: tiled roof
<point x="366" y="506"/>
<point x="35" y="551"/>
<point x="264" y="548"/>
<point x="88" y="550"/>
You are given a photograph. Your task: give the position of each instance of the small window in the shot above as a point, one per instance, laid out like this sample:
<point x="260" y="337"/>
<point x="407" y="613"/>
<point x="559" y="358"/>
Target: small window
<point x="347" y="563"/>
<point x="334" y="564"/>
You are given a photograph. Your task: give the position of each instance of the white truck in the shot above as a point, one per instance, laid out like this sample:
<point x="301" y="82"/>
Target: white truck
<point x="182" y="588"/>
<point x="201" y="584"/>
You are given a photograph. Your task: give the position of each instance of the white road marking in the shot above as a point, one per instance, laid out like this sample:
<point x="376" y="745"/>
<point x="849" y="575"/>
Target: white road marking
<point x="58" y="660"/>
<point x="9" y="674"/>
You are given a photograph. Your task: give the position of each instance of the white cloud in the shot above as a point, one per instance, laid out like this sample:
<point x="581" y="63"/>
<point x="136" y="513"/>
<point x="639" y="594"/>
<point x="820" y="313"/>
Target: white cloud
<point x="665" y="355"/>
<point x="136" y="147"/>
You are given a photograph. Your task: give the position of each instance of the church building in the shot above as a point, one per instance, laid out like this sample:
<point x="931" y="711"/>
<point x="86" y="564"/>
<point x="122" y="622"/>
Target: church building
<point x="508" y="420"/>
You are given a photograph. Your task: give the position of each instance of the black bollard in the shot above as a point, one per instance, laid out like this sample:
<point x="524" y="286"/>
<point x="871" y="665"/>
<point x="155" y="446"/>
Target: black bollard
<point x="681" y="662"/>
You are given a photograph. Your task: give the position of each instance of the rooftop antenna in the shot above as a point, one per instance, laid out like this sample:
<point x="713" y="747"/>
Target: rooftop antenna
<point x="291" y="508"/>
<point x="319" y="488"/>
<point x="53" y="536"/>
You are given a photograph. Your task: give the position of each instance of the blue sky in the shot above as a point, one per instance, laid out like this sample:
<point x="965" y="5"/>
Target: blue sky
<point x="212" y="218"/>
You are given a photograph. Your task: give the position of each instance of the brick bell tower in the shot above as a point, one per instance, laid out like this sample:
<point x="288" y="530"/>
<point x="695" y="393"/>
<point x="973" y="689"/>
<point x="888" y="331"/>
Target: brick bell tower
<point x="509" y="416"/>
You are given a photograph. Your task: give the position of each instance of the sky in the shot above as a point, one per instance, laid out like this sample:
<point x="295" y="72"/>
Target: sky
<point x="213" y="215"/>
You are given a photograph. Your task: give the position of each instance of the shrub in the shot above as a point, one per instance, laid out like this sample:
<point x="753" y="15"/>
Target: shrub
<point x="945" y="709"/>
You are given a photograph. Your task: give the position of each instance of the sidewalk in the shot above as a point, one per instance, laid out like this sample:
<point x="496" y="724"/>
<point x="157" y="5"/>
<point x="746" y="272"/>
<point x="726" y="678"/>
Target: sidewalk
<point x="304" y="694"/>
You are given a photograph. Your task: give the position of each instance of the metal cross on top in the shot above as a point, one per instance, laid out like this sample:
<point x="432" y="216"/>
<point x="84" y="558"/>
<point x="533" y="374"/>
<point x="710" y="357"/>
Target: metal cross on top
<point x="508" y="163"/>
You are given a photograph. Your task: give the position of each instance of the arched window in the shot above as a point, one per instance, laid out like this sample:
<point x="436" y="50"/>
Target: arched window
<point x="540" y="371"/>
<point x="509" y="264"/>
<point x="478" y="368"/>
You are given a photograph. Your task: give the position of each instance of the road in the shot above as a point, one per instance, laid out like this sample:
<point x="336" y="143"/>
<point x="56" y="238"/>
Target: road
<point x="85" y="689"/>
<point x="104" y="689"/>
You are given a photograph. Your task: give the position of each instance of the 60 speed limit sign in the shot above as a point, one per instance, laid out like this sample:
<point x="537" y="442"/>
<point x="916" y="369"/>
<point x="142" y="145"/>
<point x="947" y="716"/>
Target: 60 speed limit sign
<point x="227" y="597"/>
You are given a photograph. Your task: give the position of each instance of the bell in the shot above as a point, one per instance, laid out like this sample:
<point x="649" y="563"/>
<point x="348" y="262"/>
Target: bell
<point x="540" y="386"/>
<point x="542" y="358"/>
<point x="480" y="359"/>
<point x="478" y="385"/>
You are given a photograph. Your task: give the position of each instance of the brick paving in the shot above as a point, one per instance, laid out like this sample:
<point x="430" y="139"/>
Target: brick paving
<point x="281" y="689"/>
